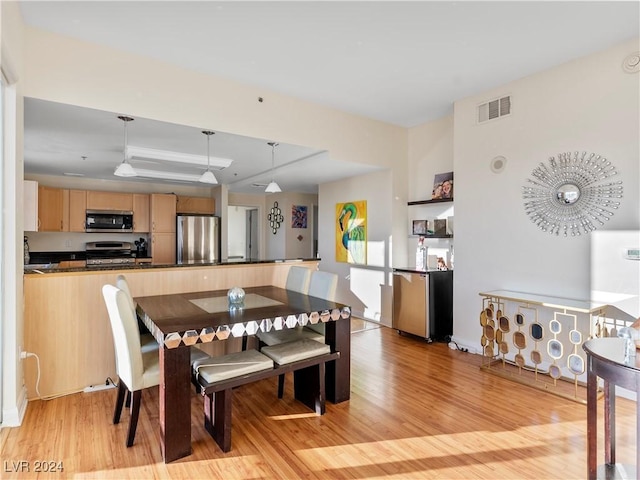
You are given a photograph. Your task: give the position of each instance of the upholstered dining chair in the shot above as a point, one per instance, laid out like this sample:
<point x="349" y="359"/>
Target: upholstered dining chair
<point x="147" y="342"/>
<point x="298" y="280"/>
<point x="136" y="370"/>
<point x="321" y="285"/>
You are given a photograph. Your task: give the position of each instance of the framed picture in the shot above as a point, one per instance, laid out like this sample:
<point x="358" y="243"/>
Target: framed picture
<point x="442" y="186"/>
<point x="419" y="227"/>
<point x="351" y="232"/>
<point x="298" y="216"/>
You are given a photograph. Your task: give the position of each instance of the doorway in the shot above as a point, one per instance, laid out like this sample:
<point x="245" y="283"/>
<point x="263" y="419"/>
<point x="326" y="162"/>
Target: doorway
<point x="243" y="233"/>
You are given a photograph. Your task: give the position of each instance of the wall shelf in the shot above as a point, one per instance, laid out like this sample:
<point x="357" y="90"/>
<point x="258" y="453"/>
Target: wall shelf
<point x="427" y="202"/>
<point x="446" y="235"/>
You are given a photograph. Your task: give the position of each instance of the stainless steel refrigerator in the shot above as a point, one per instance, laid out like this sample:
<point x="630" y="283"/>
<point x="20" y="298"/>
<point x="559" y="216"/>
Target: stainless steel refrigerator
<point x="198" y="238"/>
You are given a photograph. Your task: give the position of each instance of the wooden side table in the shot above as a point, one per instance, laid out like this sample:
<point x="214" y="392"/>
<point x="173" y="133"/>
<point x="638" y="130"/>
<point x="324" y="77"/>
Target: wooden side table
<point x="605" y="359"/>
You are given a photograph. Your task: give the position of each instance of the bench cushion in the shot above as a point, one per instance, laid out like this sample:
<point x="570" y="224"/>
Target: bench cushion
<point x="215" y="369"/>
<point x="290" y="352"/>
<point x="276" y="337"/>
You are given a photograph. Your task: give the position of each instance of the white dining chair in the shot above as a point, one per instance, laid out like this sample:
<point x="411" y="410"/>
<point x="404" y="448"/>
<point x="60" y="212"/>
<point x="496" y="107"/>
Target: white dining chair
<point x="147" y="341"/>
<point x="321" y="285"/>
<point x="298" y="279"/>
<point x="137" y="367"/>
<point x="136" y="370"/>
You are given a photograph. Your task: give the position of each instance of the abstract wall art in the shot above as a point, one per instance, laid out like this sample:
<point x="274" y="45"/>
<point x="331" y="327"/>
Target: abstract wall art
<point x="351" y="232"/>
<point x="298" y="216"/>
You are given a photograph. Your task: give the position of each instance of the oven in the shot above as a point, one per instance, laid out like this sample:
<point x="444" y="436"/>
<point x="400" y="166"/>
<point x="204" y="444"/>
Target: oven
<point x="109" y="253"/>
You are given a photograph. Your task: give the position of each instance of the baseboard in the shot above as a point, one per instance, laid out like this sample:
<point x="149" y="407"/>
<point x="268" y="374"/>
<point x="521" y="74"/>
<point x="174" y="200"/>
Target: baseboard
<point x="12" y="417"/>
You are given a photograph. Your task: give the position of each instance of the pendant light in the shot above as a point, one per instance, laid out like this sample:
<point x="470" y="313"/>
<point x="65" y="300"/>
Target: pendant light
<point x="273" y="187"/>
<point x="125" y="169"/>
<point x="208" y="176"/>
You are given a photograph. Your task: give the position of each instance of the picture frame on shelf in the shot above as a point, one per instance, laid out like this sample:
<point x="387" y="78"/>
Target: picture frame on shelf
<point x="420" y="227"/>
<point x="442" y="186"/>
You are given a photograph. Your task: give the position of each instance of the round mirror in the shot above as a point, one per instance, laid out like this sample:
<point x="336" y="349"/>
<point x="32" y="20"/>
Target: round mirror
<point x="568" y="194"/>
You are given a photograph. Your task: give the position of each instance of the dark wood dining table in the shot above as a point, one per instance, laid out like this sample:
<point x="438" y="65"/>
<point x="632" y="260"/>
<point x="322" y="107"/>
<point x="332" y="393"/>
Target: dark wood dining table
<point x="606" y="360"/>
<point x="178" y="321"/>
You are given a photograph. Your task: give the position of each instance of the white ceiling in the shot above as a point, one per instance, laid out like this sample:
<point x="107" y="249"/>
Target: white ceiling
<point x="403" y="63"/>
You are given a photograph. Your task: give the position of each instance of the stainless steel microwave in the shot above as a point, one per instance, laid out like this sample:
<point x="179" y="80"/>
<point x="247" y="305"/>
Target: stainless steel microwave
<point x="109" y="221"/>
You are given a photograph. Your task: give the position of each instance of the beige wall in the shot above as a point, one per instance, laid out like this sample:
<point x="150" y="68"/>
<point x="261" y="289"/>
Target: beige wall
<point x="367" y="288"/>
<point x="64" y="70"/>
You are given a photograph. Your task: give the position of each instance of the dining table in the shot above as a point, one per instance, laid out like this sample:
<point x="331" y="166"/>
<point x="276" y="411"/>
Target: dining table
<point x="180" y="320"/>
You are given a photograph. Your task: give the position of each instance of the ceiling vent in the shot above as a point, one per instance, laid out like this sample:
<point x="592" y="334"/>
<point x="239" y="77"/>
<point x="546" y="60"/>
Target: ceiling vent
<point x="494" y="109"/>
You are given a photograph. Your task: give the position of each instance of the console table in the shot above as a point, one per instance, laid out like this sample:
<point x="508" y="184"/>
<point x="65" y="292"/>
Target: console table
<point x="536" y="339"/>
<point x="605" y="359"/>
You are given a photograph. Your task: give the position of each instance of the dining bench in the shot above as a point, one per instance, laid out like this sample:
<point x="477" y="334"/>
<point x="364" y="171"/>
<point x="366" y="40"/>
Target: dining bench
<point x="216" y="377"/>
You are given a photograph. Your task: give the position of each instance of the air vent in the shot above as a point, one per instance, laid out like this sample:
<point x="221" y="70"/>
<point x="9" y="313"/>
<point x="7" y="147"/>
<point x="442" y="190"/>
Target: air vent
<point x="494" y="109"/>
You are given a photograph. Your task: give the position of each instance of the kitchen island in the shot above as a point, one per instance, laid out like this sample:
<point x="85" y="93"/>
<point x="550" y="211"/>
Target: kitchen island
<point x="67" y="326"/>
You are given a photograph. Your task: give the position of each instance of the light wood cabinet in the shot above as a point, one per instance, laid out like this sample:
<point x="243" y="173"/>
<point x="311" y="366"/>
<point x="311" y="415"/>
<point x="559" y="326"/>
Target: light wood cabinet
<point x="163" y="228"/>
<point x="141" y="212"/>
<point x="109" y="201"/>
<point x="77" y="210"/>
<point x="72" y="264"/>
<point x="196" y="205"/>
<point x="163" y="212"/>
<point x="30" y="195"/>
<point x="163" y="248"/>
<point x="53" y="209"/>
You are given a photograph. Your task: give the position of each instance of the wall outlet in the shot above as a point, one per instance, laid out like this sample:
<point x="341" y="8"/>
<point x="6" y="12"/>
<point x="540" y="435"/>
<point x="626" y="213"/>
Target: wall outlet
<point x="97" y="388"/>
<point x="67" y="243"/>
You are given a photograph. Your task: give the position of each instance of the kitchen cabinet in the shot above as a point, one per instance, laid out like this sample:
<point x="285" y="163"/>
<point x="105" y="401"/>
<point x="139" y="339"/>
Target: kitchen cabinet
<point x="77" y="210"/>
<point x="196" y="205"/>
<point x="423" y="303"/>
<point x="53" y="209"/>
<point x="72" y="264"/>
<point x="109" y="201"/>
<point x="30" y="204"/>
<point x="140" y="212"/>
<point x="163" y="248"/>
<point x="163" y="228"/>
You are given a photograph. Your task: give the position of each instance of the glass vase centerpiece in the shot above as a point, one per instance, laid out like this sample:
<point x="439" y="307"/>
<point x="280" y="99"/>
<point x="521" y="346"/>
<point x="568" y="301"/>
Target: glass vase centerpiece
<point x="236" y="296"/>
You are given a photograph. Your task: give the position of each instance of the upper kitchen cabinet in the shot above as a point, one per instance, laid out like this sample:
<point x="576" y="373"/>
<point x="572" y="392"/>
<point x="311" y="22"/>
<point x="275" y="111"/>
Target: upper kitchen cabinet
<point x="30" y="217"/>
<point x="141" y="212"/>
<point x="110" y="201"/>
<point x="61" y="210"/>
<point x="53" y="209"/>
<point x="77" y="210"/>
<point x="163" y="212"/>
<point x="196" y="205"/>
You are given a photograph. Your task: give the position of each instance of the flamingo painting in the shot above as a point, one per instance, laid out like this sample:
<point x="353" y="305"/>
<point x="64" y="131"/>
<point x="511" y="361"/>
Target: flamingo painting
<point x="351" y="232"/>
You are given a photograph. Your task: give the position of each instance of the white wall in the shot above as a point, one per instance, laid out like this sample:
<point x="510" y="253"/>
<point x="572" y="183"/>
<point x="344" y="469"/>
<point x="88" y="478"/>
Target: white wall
<point x="430" y="153"/>
<point x="13" y="393"/>
<point x="367" y="288"/>
<point x="590" y="105"/>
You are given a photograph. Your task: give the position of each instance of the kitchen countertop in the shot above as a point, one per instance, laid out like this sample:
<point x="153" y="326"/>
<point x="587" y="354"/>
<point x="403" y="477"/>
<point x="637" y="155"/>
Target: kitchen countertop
<point x="413" y="270"/>
<point x="53" y="267"/>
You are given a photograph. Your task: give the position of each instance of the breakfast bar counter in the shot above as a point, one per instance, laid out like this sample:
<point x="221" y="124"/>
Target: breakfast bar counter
<point x="67" y="326"/>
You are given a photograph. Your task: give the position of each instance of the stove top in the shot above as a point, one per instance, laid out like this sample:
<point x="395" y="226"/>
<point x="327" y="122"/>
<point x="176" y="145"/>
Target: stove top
<point x="109" y="253"/>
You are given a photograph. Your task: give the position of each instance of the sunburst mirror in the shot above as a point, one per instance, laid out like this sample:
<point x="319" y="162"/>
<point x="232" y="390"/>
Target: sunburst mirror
<point x="572" y="195"/>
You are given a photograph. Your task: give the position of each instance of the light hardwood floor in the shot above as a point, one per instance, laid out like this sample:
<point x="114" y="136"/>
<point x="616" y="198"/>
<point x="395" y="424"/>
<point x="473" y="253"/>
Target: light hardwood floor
<point x="417" y="410"/>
